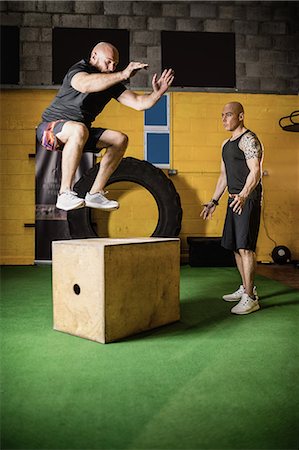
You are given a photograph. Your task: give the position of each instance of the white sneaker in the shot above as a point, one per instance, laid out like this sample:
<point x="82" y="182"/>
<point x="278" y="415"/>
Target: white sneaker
<point x="246" y="305"/>
<point x="237" y="295"/>
<point x="99" y="201"/>
<point x="69" y="200"/>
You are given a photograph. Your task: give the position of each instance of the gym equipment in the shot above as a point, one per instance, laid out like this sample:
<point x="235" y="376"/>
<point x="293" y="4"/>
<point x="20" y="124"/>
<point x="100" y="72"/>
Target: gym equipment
<point x="51" y="223"/>
<point x="281" y="254"/>
<point x="207" y="252"/>
<point x="139" y="172"/>
<point x="287" y="123"/>
<point x="108" y="289"/>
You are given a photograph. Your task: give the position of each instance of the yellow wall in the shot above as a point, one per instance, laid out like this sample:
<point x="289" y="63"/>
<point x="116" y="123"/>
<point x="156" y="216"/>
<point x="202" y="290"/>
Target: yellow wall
<point x="196" y="135"/>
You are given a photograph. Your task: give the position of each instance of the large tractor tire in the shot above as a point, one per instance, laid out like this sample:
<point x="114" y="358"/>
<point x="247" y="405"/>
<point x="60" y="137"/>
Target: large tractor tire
<point x="146" y="175"/>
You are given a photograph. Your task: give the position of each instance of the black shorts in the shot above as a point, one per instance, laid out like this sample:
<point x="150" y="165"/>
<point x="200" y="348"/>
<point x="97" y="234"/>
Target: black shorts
<point x="241" y="231"/>
<point x="46" y="136"/>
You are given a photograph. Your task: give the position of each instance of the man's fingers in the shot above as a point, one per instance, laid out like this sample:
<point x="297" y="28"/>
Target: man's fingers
<point x="136" y="65"/>
<point x="167" y="73"/>
<point x="170" y="80"/>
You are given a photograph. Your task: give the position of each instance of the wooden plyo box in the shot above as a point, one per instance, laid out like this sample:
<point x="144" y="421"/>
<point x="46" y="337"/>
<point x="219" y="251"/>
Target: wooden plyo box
<point x="108" y="289"/>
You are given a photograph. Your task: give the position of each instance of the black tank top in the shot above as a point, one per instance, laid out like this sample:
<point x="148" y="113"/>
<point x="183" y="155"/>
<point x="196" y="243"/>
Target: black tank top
<point x="235" y="165"/>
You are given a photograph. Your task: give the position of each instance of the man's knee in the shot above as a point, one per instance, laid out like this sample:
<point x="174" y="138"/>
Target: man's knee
<point x="245" y="252"/>
<point x="80" y="131"/>
<point x="74" y="130"/>
<point x="121" y="142"/>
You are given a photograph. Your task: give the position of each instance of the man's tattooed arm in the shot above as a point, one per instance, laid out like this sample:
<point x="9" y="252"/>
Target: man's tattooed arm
<point x="251" y="146"/>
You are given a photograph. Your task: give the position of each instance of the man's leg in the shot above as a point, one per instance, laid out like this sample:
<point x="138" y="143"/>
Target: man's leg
<point x="248" y="262"/>
<point x="237" y="295"/>
<point x="74" y="135"/>
<point x="249" y="301"/>
<point x="116" y="144"/>
<point x="239" y="264"/>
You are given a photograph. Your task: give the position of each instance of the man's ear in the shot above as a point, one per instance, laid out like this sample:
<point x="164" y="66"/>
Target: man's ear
<point x="241" y="116"/>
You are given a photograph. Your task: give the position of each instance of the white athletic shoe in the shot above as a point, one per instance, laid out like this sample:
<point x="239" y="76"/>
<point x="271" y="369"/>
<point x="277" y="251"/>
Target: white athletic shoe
<point x="246" y="305"/>
<point x="99" y="201"/>
<point x="69" y="200"/>
<point x="237" y="295"/>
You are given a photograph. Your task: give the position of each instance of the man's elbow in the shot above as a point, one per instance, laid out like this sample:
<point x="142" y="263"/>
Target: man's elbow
<point x="137" y="106"/>
<point x="81" y="87"/>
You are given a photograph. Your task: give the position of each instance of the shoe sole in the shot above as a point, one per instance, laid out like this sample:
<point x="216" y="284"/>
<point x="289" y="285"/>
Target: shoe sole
<point x="236" y="299"/>
<point x="80" y="205"/>
<point x="93" y="205"/>
<point x="256" y="308"/>
<point x="231" y="299"/>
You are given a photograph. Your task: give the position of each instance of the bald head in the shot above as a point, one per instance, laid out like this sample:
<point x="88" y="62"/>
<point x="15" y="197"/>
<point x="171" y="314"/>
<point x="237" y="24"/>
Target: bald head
<point x="104" y="46"/>
<point x="105" y="57"/>
<point x="233" y="116"/>
<point x="235" y="107"/>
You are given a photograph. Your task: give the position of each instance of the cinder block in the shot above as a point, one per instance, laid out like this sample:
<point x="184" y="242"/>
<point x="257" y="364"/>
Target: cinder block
<point x="175" y="10"/>
<point x="189" y="25"/>
<point x="108" y="289"/>
<point x="161" y="23"/>
<point x="36" y="20"/>
<point x="198" y="9"/>
<point x="132" y="23"/>
<point x="218" y="25"/>
<point x="147" y="9"/>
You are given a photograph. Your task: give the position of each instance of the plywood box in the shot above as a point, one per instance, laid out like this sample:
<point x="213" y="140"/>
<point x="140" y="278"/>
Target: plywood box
<point x="108" y="289"/>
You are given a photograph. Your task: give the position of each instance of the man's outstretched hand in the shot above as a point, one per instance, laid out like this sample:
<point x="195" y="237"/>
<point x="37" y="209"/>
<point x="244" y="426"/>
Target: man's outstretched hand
<point x="132" y="68"/>
<point x="208" y="210"/>
<point x="162" y="84"/>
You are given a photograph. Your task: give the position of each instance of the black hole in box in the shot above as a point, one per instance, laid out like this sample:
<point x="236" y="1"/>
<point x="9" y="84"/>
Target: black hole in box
<point x="77" y="289"/>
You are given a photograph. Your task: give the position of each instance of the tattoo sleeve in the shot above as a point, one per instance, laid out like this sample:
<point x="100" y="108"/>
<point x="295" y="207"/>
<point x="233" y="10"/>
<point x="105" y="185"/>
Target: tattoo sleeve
<point x="251" y="146"/>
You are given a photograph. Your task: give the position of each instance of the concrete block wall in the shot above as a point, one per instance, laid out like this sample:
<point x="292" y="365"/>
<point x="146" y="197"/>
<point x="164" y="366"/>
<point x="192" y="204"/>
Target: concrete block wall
<point x="267" y="35"/>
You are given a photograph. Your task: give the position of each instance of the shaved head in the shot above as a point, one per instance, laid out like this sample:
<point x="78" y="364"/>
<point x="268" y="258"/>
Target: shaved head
<point x="104" y="46"/>
<point x="105" y="57"/>
<point x="235" y="107"/>
<point x="233" y="116"/>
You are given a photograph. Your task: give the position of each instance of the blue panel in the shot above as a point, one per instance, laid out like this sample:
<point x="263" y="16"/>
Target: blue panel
<point x="158" y="148"/>
<point x="157" y="115"/>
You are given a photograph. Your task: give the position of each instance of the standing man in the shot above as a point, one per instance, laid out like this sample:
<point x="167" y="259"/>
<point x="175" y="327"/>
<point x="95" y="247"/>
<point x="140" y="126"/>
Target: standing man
<point x="240" y="173"/>
<point x="87" y="87"/>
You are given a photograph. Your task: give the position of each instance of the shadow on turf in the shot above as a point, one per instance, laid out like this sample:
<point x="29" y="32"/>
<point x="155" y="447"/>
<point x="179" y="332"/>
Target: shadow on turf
<point x="198" y="314"/>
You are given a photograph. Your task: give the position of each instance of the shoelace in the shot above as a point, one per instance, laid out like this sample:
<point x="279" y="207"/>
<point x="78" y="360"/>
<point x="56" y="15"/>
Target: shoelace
<point x="239" y="291"/>
<point x="247" y="299"/>
<point x="100" y="194"/>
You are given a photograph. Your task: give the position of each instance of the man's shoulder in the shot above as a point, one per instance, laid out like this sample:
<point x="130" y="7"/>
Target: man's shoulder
<point x="224" y="142"/>
<point x="80" y="66"/>
<point x="251" y="145"/>
<point x="249" y="137"/>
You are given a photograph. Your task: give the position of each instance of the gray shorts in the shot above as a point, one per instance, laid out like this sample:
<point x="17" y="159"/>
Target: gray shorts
<point x="46" y="136"/>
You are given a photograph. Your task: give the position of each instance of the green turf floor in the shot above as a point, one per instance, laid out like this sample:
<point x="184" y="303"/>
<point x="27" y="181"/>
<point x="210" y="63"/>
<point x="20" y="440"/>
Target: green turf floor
<point x="211" y="381"/>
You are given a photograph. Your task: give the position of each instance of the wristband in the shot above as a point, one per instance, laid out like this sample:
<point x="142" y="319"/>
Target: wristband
<point x="216" y="203"/>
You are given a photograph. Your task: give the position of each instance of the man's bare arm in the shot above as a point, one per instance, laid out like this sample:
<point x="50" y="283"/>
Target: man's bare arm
<point x="95" y="82"/>
<point x="253" y="153"/>
<point x="221" y="185"/>
<point x="141" y="102"/>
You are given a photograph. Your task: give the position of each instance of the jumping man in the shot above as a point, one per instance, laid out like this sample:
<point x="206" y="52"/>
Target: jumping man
<point x="87" y="87"/>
